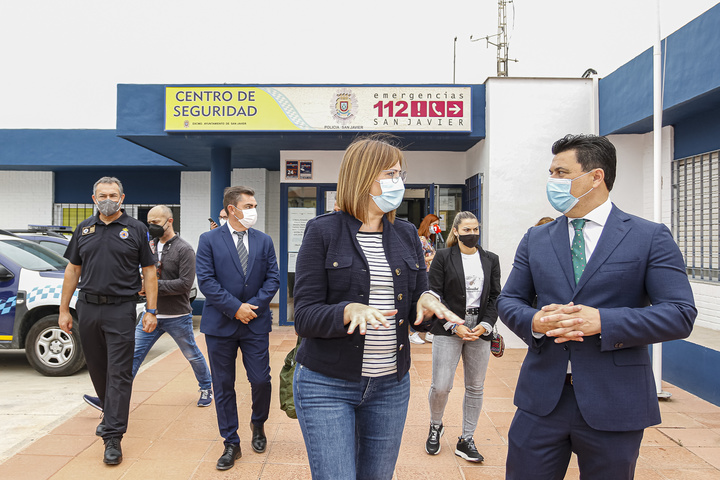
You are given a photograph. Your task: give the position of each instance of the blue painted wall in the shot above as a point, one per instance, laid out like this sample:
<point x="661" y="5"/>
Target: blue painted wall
<point x="693" y="368"/>
<point x="698" y="134"/>
<point x="146" y="186"/>
<point x="692" y="79"/>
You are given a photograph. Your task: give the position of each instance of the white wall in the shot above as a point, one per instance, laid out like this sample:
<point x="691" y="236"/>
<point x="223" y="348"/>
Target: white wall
<point x="422" y="167"/>
<point x="524" y="117"/>
<point x="26" y="197"/>
<point x="195" y="205"/>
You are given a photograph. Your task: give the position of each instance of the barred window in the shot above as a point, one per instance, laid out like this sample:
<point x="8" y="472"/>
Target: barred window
<point x="696" y="213"/>
<point x="71" y="214"/>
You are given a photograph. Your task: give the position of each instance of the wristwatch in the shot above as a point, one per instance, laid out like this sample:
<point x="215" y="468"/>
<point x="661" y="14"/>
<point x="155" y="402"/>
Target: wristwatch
<point x="151" y="310"/>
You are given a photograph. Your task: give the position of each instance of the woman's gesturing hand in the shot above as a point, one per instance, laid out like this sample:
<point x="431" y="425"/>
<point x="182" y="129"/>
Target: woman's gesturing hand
<point x="428" y="305"/>
<point x="360" y="316"/>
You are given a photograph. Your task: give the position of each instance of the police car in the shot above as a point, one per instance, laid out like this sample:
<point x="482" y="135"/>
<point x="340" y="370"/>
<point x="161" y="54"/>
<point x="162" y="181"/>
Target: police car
<point x="31" y="278"/>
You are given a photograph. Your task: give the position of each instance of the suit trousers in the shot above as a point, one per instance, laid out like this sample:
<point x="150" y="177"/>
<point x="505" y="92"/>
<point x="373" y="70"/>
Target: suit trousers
<point x="540" y="447"/>
<point x="222" y="353"/>
<point x="107" y="335"/>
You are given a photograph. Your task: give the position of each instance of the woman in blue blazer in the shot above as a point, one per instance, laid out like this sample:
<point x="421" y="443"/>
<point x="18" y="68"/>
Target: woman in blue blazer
<point x="467" y="279"/>
<point x="359" y="283"/>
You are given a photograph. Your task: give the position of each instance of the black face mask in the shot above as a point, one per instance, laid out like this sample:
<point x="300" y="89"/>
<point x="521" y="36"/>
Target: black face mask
<point x="469" y="240"/>
<point x="156" y="231"/>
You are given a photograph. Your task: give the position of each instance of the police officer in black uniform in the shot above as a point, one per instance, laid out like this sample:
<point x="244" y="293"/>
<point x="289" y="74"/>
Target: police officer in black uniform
<point x="108" y="249"/>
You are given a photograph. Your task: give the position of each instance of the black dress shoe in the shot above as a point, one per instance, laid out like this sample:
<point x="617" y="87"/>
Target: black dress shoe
<point x="100" y="428"/>
<point x="259" y="440"/>
<point x="113" y="452"/>
<point x="227" y="460"/>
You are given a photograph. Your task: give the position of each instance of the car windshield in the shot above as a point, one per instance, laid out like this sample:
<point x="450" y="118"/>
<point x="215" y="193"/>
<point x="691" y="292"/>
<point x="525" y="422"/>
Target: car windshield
<point x="31" y="255"/>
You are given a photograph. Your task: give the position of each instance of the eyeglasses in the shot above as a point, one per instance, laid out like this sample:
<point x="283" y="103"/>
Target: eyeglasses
<point x="394" y="175"/>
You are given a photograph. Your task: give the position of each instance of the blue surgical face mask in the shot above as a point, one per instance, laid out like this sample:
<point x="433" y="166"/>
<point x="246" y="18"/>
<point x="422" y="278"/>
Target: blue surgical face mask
<point x="559" y="196"/>
<point x="391" y="196"/>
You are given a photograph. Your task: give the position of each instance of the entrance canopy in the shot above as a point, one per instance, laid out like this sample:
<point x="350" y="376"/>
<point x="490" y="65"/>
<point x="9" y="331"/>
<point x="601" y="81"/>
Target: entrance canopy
<point x="256" y="122"/>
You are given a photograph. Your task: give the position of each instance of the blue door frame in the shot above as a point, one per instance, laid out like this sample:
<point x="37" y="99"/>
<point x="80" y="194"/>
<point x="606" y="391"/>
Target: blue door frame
<point x="321" y="188"/>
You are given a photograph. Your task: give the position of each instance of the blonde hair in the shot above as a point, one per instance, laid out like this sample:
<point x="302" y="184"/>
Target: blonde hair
<point x="362" y="162"/>
<point x="452" y="238"/>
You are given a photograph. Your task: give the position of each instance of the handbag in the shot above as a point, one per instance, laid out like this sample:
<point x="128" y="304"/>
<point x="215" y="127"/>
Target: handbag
<point x="497" y="343"/>
<point x="287" y="401"/>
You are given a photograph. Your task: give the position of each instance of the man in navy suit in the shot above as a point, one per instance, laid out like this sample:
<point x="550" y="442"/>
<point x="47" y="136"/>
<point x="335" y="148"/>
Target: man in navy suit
<point x="608" y="284"/>
<point x="238" y="274"/>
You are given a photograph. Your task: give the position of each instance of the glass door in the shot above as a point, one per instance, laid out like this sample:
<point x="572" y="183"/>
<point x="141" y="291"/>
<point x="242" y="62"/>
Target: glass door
<point x="300" y="203"/>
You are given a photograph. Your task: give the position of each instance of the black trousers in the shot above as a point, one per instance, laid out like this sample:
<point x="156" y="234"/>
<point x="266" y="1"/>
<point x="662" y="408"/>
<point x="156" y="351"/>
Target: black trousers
<point x="107" y="334"/>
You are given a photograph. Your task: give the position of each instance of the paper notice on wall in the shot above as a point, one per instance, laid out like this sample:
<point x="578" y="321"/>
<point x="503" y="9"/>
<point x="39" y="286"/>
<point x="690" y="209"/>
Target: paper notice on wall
<point x="297" y="219"/>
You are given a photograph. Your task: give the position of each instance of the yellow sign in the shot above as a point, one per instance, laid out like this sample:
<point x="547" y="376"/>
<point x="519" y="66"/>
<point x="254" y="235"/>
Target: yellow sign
<point x="267" y="108"/>
<point x="223" y="108"/>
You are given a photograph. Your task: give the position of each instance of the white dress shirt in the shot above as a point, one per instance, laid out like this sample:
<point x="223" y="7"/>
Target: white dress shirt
<point x="593" y="228"/>
<point x="235" y="237"/>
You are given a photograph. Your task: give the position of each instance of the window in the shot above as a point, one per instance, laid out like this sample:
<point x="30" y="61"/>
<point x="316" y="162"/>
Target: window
<point x="71" y="214"/>
<point x="696" y="213"/>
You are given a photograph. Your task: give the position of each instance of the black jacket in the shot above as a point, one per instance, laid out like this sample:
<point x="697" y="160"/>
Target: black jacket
<point x="331" y="271"/>
<point x="447" y="279"/>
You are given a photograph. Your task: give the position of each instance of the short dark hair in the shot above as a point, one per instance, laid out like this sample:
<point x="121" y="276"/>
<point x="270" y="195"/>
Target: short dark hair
<point x="232" y="195"/>
<point x="592" y="151"/>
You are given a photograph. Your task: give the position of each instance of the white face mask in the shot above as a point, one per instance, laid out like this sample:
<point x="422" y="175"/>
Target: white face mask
<point x="249" y="217"/>
<point x="222" y="222"/>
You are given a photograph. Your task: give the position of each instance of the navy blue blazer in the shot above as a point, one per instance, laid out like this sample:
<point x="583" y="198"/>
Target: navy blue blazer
<point x="636" y="278"/>
<point x="331" y="272"/>
<point x="447" y="279"/>
<point x="226" y="288"/>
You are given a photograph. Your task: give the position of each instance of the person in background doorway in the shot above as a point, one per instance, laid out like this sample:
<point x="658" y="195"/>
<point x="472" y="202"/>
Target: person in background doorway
<point x="608" y="284"/>
<point x="238" y="273"/>
<point x="223" y="220"/>
<point x="360" y="282"/>
<point x="427" y="238"/>
<point x="176" y="275"/>
<point x="106" y="252"/>
<point x="467" y="280"/>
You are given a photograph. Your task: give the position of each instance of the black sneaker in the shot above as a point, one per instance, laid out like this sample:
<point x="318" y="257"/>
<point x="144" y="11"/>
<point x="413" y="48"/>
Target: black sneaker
<point x="432" y="446"/>
<point x="466" y="449"/>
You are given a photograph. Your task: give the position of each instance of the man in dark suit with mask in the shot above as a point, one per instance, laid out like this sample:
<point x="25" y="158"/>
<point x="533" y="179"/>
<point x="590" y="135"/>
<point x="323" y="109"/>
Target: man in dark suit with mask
<point x="238" y="274"/>
<point x="608" y="284"/>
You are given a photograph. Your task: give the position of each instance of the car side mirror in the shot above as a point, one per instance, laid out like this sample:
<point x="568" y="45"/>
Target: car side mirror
<point x="5" y="274"/>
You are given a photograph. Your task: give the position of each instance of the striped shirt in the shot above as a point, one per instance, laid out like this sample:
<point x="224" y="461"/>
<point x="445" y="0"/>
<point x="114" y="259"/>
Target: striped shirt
<point x="380" y="352"/>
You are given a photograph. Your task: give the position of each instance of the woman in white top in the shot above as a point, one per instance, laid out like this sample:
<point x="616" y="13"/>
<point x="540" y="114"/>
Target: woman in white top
<point x="467" y="280"/>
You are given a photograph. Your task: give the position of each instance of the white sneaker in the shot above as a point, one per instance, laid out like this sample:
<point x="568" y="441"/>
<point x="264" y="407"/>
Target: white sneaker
<point x="429" y="337"/>
<point x="415" y="338"/>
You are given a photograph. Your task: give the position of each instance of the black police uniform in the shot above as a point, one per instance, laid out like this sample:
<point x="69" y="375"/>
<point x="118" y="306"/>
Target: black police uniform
<point x="110" y="256"/>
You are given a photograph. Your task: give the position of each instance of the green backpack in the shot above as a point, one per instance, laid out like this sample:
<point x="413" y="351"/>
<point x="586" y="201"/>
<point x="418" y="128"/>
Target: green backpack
<point x="287" y="402"/>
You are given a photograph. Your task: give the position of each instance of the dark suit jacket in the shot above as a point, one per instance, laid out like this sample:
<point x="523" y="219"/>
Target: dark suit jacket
<point x="447" y="279"/>
<point x="221" y="280"/>
<point x="636" y="278"/>
<point x="332" y="271"/>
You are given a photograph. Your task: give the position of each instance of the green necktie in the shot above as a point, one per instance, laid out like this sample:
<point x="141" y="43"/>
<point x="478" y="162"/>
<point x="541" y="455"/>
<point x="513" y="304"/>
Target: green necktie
<point x="578" y="248"/>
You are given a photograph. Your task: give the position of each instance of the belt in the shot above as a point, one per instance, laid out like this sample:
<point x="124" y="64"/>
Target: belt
<point x="105" y="299"/>
<point x="472" y="311"/>
<point x="568" y="379"/>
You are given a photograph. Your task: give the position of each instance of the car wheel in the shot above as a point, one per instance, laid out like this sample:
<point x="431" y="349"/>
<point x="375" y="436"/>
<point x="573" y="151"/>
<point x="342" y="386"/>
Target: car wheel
<point x="51" y="351"/>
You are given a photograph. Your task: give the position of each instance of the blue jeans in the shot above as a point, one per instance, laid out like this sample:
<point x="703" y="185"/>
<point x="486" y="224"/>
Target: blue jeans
<point x="352" y="430"/>
<point x="181" y="330"/>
